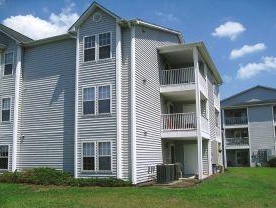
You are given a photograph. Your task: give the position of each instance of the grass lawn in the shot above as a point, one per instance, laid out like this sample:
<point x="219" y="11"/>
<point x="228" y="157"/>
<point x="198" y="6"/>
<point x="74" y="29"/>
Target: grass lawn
<point x="238" y="187"/>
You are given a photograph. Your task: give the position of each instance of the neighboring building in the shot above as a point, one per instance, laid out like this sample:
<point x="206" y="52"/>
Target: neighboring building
<point x="249" y="127"/>
<point x="90" y="101"/>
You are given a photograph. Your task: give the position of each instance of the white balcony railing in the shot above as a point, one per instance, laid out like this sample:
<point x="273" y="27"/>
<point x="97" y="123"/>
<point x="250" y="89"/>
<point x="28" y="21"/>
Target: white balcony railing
<point x="177" y="76"/>
<point x="204" y="124"/>
<point x="178" y="121"/>
<point x="240" y="141"/>
<point x="235" y="120"/>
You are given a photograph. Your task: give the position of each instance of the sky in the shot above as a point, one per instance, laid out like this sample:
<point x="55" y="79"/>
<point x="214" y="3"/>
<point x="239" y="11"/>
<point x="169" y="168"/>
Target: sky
<point x="240" y="35"/>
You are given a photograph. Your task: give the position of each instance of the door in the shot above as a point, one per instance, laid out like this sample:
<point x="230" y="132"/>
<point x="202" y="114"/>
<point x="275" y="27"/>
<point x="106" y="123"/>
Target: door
<point x="190" y="159"/>
<point x="172" y="150"/>
<point x="242" y="158"/>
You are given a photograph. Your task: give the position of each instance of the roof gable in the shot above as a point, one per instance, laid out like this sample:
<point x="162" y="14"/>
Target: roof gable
<point x="93" y="7"/>
<point x="254" y="95"/>
<point x="14" y="35"/>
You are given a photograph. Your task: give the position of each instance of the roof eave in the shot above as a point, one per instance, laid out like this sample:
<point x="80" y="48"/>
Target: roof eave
<point x="48" y="40"/>
<point x="203" y="51"/>
<point x="88" y="12"/>
<point x="147" y="24"/>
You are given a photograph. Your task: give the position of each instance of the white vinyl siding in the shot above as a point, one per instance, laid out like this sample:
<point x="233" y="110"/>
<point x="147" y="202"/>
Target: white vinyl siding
<point x="6" y="109"/>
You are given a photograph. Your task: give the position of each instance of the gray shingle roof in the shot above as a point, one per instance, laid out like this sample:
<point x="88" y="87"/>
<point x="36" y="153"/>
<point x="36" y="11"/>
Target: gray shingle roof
<point x="15" y="35"/>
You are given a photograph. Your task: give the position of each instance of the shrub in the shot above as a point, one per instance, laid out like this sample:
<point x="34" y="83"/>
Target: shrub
<point x="49" y="176"/>
<point x="272" y="162"/>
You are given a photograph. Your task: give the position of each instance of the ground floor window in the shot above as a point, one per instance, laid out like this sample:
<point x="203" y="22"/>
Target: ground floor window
<point x="4" y="153"/>
<point x="104" y="155"/>
<point x="96" y="156"/>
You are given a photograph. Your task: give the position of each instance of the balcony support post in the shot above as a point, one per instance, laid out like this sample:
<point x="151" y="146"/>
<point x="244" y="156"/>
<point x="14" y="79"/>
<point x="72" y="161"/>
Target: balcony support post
<point x="198" y="114"/>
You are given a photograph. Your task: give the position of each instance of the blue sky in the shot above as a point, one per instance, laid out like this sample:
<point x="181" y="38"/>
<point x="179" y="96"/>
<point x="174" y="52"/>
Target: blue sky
<point x="239" y="34"/>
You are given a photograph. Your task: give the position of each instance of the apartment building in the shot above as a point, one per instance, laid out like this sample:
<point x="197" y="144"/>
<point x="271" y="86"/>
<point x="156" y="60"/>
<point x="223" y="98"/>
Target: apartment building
<point x="110" y="98"/>
<point x="249" y="127"/>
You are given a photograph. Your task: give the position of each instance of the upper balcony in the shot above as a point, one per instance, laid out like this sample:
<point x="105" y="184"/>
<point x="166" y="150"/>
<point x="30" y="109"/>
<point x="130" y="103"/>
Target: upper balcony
<point x="180" y="120"/>
<point x="235" y="117"/>
<point x="178" y="64"/>
<point x="236" y="138"/>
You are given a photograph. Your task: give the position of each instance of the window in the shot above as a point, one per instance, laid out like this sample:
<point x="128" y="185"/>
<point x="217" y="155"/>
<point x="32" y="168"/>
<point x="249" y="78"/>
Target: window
<point x="6" y="109"/>
<point x="104" y="46"/>
<point x="89" y="48"/>
<point x="4" y="153"/>
<point x="104" y="99"/>
<point x="88" y="156"/>
<point x="104" y="155"/>
<point x="8" y="63"/>
<point x="88" y="100"/>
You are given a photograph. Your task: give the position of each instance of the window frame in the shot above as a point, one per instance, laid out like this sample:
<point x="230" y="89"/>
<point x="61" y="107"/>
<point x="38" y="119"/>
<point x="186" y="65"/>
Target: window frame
<point x="98" y="156"/>
<point x="110" y="51"/>
<point x="95" y="35"/>
<point x="97" y="47"/>
<point x="8" y="97"/>
<point x="95" y="156"/>
<point x="110" y="98"/>
<point x="95" y="99"/>
<point x="7" y="156"/>
<point x="4" y="64"/>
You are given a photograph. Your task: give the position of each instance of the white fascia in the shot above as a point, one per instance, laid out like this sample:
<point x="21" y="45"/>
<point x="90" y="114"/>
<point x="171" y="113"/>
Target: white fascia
<point x="198" y="114"/>
<point x="133" y="106"/>
<point x="16" y="106"/>
<point x="76" y="108"/>
<point x="119" y="99"/>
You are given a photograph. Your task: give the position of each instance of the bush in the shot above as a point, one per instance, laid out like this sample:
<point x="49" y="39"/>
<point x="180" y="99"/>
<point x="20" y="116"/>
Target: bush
<point x="272" y="162"/>
<point x="49" y="176"/>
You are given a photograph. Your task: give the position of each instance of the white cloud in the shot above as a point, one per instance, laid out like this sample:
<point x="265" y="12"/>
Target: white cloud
<point x="37" y="28"/>
<point x="247" y="49"/>
<point x="227" y="78"/>
<point x="268" y="64"/>
<point x="229" y="29"/>
<point x="166" y="16"/>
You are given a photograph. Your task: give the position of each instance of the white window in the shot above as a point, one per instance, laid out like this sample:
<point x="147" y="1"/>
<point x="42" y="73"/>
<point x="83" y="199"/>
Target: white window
<point x="88" y="156"/>
<point x="104" y="99"/>
<point x="4" y="153"/>
<point x="104" y="152"/>
<point x="89" y="48"/>
<point x="8" y="65"/>
<point x="6" y="109"/>
<point x="104" y="46"/>
<point x="88" y="106"/>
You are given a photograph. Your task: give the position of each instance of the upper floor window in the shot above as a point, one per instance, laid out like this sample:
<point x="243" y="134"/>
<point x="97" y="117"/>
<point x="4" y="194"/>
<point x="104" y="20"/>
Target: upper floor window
<point x="4" y="153"/>
<point x="89" y="48"/>
<point x="104" y="46"/>
<point x="104" y="99"/>
<point x="6" y="109"/>
<point x="8" y="65"/>
<point x="89" y="100"/>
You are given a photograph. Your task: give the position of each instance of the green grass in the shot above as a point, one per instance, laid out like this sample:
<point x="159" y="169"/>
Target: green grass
<point x="238" y="187"/>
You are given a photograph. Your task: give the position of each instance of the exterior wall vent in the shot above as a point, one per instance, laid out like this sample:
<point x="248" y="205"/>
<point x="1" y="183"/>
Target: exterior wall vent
<point x="97" y="17"/>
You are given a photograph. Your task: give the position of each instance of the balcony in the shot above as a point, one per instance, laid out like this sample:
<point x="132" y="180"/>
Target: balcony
<point x="237" y="142"/>
<point x="179" y="121"/>
<point x="178" y="125"/>
<point x="175" y="81"/>
<point x="236" y="121"/>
